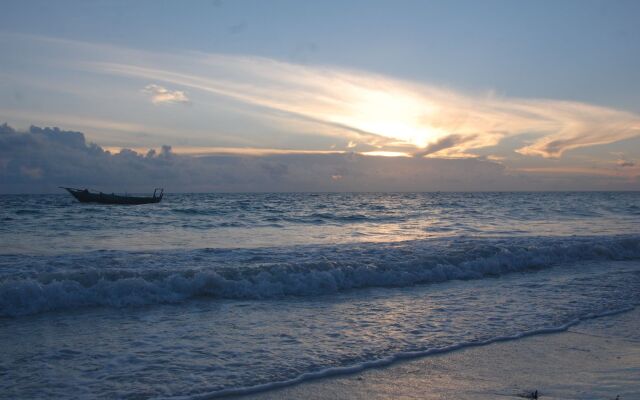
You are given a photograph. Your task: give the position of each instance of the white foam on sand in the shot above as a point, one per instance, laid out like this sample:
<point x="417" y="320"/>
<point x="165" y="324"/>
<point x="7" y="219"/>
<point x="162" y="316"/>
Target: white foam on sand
<point x="594" y="359"/>
<point x="321" y="384"/>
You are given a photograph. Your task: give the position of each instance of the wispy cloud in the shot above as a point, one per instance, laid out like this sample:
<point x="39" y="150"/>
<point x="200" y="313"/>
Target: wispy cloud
<point x="626" y="163"/>
<point x="569" y="171"/>
<point x="386" y="112"/>
<point x="368" y="112"/>
<point x="162" y="95"/>
<point x="444" y="143"/>
<point x="71" y="120"/>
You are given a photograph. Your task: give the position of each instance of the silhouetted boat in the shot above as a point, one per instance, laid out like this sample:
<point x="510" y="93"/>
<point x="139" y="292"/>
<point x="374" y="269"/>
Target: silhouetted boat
<point x="85" y="196"/>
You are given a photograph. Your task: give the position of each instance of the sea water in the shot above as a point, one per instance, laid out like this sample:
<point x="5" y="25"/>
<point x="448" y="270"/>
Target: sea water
<point x="208" y="294"/>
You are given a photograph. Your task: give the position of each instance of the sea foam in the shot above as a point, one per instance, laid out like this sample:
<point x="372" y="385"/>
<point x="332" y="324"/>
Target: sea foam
<point x="123" y="279"/>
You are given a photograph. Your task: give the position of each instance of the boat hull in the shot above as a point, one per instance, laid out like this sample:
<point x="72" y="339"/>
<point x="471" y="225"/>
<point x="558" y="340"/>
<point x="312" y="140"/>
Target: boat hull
<point x="84" y="196"/>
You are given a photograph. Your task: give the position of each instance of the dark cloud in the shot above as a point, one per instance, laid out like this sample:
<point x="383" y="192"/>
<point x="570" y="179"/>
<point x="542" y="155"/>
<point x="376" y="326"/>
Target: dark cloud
<point x="446" y="142"/>
<point x="40" y="159"/>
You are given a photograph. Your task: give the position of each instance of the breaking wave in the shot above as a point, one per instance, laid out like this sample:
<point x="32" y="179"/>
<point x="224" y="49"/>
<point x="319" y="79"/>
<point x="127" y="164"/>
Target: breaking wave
<point x="123" y="279"/>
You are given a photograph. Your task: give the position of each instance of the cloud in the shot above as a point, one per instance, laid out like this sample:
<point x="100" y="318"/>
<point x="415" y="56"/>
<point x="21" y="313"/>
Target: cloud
<point x="381" y="112"/>
<point x="161" y="95"/>
<point x="622" y="160"/>
<point x="444" y="143"/>
<point x="40" y="159"/>
<point x="626" y="163"/>
<point x="584" y="125"/>
<point x="392" y="114"/>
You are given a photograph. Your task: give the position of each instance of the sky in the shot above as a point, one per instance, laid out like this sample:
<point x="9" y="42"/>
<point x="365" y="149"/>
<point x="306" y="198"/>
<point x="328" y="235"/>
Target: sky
<point x="320" y="96"/>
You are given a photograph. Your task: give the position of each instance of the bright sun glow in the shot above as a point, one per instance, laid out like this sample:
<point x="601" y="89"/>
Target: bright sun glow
<point x="390" y="112"/>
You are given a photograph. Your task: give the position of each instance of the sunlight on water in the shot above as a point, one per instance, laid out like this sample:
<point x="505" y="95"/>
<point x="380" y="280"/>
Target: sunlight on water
<point x="258" y="220"/>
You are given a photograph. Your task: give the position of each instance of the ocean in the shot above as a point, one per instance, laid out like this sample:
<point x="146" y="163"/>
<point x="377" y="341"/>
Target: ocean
<point x="205" y="295"/>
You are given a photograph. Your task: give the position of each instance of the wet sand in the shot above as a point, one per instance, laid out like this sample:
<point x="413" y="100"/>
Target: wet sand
<point x="596" y="359"/>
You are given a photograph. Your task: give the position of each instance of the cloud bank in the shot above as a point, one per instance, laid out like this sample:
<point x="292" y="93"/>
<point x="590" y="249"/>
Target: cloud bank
<point x="40" y="159"/>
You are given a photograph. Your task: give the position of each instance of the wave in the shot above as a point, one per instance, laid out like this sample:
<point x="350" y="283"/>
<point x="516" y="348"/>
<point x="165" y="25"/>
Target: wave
<point x="27" y="212"/>
<point x="198" y="211"/>
<point x="386" y="361"/>
<point x="123" y="279"/>
<point x="302" y="218"/>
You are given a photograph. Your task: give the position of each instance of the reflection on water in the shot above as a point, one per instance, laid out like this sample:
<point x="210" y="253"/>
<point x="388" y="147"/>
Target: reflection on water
<point x="57" y="223"/>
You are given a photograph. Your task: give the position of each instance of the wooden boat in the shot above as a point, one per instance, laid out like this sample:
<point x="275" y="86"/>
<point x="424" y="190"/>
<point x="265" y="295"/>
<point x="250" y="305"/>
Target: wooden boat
<point x="85" y="196"/>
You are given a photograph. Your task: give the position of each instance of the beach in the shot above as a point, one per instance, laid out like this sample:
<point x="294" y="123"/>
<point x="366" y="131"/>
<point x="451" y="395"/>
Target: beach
<point x="595" y="359"/>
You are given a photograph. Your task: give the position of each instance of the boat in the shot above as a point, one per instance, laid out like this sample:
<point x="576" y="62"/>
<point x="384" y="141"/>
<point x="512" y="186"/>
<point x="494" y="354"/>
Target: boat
<point x="85" y="196"/>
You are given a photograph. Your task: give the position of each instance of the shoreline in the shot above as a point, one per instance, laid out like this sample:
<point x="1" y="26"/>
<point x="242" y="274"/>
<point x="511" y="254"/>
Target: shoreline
<point x="555" y="362"/>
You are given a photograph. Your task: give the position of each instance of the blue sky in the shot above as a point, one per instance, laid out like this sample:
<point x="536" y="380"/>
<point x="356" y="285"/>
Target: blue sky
<point x="544" y="87"/>
<point x="577" y="50"/>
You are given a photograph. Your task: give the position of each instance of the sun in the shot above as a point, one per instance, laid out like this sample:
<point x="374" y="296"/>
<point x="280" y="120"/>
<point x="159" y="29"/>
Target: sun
<point x="390" y="112"/>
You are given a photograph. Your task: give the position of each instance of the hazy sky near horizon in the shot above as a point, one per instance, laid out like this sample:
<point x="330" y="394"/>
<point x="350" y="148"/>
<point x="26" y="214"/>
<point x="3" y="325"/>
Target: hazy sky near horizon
<point x="544" y="87"/>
